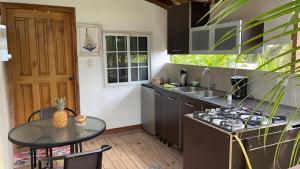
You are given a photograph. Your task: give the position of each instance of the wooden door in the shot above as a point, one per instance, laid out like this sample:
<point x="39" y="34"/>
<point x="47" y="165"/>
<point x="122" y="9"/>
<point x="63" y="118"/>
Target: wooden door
<point x="43" y="65"/>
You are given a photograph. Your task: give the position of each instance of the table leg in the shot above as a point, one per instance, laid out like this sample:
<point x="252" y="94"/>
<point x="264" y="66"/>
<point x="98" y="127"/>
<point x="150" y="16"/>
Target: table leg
<point x="80" y="147"/>
<point x="76" y="148"/>
<point x="47" y="152"/>
<point x="34" y="158"/>
<point x="72" y="148"/>
<point x="31" y="158"/>
<point x="51" y="162"/>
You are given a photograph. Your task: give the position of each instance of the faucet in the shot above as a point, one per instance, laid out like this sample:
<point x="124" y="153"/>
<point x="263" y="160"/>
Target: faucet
<point x="207" y="71"/>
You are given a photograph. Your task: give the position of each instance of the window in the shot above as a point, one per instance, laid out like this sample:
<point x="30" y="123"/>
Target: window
<point x="127" y="57"/>
<point x="247" y="61"/>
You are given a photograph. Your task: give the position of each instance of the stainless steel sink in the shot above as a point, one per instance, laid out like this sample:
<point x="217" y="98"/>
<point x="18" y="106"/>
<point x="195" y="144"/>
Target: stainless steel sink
<point x="200" y="92"/>
<point x="189" y="89"/>
<point x="208" y="94"/>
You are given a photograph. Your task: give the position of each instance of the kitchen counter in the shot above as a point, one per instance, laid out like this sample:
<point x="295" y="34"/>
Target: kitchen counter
<point x="249" y="102"/>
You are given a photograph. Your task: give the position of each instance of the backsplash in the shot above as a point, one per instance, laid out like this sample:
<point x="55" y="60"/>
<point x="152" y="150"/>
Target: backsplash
<point x="259" y="82"/>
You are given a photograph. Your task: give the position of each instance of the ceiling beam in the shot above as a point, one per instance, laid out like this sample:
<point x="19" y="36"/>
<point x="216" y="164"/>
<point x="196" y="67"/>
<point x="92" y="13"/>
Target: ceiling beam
<point x="161" y="4"/>
<point x="170" y="3"/>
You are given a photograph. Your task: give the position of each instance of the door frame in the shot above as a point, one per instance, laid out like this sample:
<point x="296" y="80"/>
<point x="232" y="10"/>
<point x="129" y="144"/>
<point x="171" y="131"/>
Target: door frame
<point x="71" y="10"/>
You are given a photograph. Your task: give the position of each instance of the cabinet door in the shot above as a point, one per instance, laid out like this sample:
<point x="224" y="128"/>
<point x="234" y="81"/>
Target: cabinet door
<point x="159" y="109"/>
<point x="178" y="29"/>
<point x="188" y="106"/>
<point x="172" y="118"/>
<point x="200" y="40"/>
<point x="232" y="29"/>
<point x="206" y="105"/>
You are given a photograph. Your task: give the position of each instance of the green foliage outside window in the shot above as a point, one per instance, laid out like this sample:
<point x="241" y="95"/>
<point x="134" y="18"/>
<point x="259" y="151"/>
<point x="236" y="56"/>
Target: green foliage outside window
<point x="246" y="61"/>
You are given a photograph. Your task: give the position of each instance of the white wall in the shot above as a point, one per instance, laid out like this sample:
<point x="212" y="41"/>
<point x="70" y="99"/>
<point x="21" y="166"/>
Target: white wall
<point x="5" y="146"/>
<point x="119" y="106"/>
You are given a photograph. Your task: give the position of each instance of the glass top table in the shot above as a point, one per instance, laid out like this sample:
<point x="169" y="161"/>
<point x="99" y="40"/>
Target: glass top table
<point x="41" y="133"/>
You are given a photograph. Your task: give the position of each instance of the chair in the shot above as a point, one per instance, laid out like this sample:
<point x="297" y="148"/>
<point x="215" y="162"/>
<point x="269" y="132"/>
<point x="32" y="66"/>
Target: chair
<point x="85" y="160"/>
<point x="47" y="113"/>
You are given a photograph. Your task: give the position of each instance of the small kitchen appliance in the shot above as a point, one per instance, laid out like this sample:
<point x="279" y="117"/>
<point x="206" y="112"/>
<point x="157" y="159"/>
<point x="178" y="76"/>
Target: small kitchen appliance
<point x="239" y="84"/>
<point x="183" y="77"/>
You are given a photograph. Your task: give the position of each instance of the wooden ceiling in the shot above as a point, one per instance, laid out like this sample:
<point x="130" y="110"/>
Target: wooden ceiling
<point x="170" y="3"/>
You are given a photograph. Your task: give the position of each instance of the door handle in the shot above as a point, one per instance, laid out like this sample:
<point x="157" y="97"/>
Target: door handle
<point x="171" y="98"/>
<point x="71" y="78"/>
<point x="190" y="105"/>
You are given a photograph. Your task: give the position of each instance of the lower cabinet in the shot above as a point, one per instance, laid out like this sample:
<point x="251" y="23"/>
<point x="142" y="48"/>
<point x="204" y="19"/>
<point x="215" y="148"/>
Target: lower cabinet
<point x="172" y="118"/>
<point x="188" y="106"/>
<point x="159" y="111"/>
<point x="170" y="109"/>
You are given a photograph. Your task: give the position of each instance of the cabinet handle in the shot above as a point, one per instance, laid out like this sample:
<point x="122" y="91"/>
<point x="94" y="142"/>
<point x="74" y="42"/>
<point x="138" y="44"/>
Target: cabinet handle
<point x="158" y="94"/>
<point x="176" y="50"/>
<point x="171" y="98"/>
<point x="190" y="105"/>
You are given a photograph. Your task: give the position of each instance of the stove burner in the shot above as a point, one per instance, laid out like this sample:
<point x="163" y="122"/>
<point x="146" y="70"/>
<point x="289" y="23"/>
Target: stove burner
<point x="236" y="119"/>
<point x="232" y="124"/>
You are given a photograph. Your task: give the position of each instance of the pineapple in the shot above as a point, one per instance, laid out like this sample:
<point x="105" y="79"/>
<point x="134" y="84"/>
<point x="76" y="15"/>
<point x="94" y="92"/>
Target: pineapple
<point x="60" y="117"/>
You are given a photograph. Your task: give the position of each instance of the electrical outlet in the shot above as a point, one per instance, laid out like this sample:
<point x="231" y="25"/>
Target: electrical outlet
<point x="285" y="83"/>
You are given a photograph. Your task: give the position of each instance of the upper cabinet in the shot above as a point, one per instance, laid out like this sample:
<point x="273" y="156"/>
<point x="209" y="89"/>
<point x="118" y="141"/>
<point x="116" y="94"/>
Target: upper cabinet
<point x="188" y="33"/>
<point x="180" y="20"/>
<point x="220" y="30"/>
<point x="208" y="40"/>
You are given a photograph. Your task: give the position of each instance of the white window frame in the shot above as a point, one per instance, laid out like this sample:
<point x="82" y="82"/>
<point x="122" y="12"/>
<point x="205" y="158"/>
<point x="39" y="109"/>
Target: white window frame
<point x="128" y="35"/>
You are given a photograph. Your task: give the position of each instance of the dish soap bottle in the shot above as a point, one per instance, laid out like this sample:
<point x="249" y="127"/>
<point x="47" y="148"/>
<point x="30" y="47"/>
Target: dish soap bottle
<point x="229" y="99"/>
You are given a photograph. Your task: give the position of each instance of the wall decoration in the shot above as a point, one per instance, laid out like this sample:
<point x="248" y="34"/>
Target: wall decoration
<point x="89" y="39"/>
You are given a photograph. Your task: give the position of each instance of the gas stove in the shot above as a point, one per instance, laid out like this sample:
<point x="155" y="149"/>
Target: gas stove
<point x="239" y="119"/>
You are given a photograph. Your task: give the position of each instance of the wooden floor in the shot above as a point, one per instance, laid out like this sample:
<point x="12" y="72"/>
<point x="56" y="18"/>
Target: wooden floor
<point x="135" y="150"/>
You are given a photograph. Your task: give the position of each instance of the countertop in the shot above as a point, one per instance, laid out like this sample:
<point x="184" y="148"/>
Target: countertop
<point x="282" y="110"/>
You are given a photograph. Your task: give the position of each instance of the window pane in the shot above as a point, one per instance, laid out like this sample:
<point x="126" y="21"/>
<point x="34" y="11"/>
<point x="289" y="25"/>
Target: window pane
<point x="110" y="43"/>
<point x="112" y="75"/>
<point x="245" y="61"/>
<point x="121" y="40"/>
<point x="143" y="74"/>
<point x="143" y="59"/>
<point x="123" y="75"/>
<point x="111" y="60"/>
<point x="134" y="74"/>
<point x="143" y="44"/>
<point x="122" y="59"/>
<point x="133" y="43"/>
<point x="228" y="44"/>
<point x="134" y="59"/>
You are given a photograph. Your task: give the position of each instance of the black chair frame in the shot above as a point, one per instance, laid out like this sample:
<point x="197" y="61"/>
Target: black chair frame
<point x="99" y="152"/>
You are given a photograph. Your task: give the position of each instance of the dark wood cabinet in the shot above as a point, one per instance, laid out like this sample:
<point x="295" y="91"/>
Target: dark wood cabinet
<point x="170" y="109"/>
<point x="206" y="105"/>
<point x="159" y="111"/>
<point x="172" y="118"/>
<point x="188" y="106"/>
<point x="204" y="146"/>
<point x="180" y="19"/>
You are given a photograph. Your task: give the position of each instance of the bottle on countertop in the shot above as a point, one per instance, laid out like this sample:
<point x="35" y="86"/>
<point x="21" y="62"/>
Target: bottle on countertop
<point x="183" y="77"/>
<point x="229" y="99"/>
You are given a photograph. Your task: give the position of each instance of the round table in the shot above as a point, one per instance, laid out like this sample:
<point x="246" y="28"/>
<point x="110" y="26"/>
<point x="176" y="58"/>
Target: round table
<point x="41" y="134"/>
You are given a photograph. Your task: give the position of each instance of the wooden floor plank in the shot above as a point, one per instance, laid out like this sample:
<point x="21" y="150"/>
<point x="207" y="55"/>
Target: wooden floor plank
<point x="135" y="150"/>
